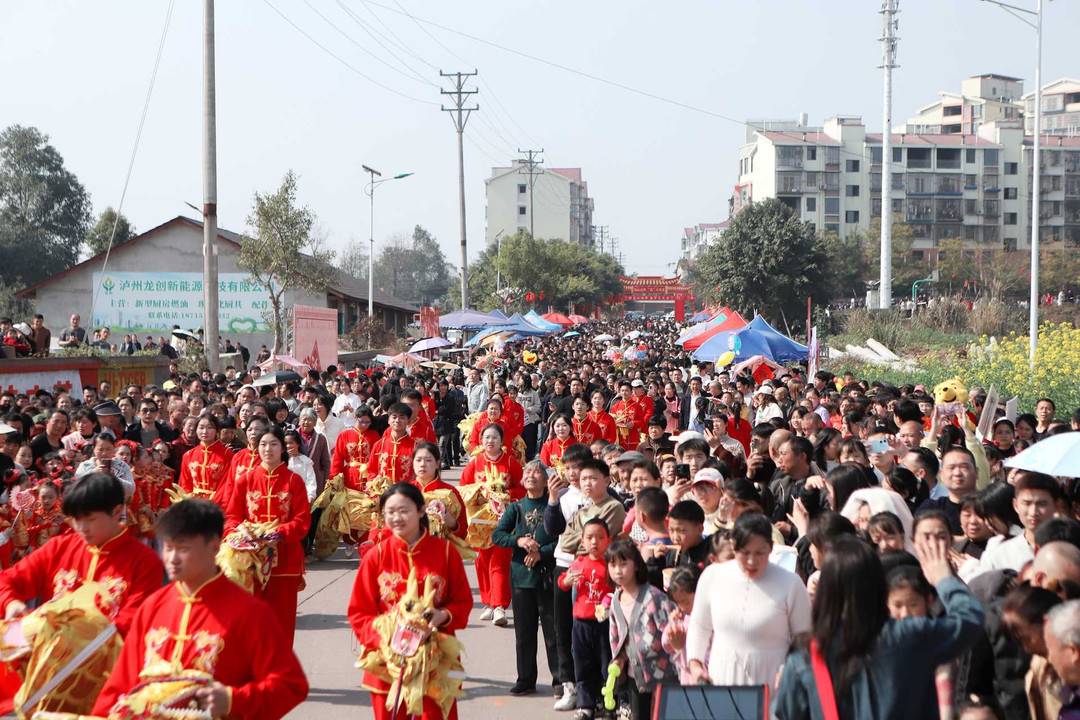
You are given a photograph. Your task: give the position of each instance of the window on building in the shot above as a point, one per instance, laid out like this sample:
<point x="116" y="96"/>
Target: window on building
<point x="897" y="154"/>
<point x="810" y="180"/>
<point x="897" y="181"/>
<point x="851" y="190"/>
<point x="971" y="206"/>
<point x="811" y="204"/>
<point x="947" y="158"/>
<point x="918" y="158"/>
<point x="1009" y="244"/>
<point x="851" y="216"/>
<point x="898" y="206"/>
<point x="832" y="227"/>
<point x="1010" y="218"/>
<point x="1011" y="168"/>
<point x="1010" y="193"/>
<point x="875" y="155"/>
<point x="851" y="166"/>
<point x="990" y="158"/>
<point x="522" y="210"/>
<point x="811" y="153"/>
<point x="832" y="205"/>
<point x="522" y="188"/>
<point x="875" y="207"/>
<point x="969" y="156"/>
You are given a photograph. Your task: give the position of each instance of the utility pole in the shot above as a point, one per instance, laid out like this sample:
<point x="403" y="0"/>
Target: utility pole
<point x="888" y="62"/>
<point x="372" y="173"/>
<point x="210" y="265"/>
<point x="531" y="164"/>
<point x="603" y="234"/>
<point x="459" y="113"/>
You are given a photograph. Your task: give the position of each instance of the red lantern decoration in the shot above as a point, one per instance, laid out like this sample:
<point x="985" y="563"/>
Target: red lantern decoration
<point x="541" y="294"/>
<point x="530" y="296"/>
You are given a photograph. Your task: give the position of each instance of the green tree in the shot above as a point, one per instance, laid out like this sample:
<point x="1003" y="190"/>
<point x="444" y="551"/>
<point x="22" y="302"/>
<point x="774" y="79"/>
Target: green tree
<point x="354" y="261"/>
<point x="906" y="268"/>
<point x="282" y="254"/>
<point x="769" y="261"/>
<point x="44" y="209"/>
<point x="97" y="240"/>
<point x="567" y="273"/>
<point x="413" y="268"/>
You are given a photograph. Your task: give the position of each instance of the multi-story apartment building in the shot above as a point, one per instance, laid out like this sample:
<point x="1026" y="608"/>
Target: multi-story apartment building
<point x="696" y="239"/>
<point x="560" y="206"/>
<point x="944" y="185"/>
<point x="982" y="99"/>
<point x="1060" y="108"/>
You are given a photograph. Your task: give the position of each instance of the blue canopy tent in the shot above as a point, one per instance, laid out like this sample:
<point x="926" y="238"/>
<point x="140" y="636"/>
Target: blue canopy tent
<point x="468" y="320"/>
<point x="757" y="338"/>
<point x="699" y="316"/>
<point x="518" y="322"/>
<point x="497" y="313"/>
<point x="534" y="318"/>
<point x="515" y="324"/>
<point x="694" y="330"/>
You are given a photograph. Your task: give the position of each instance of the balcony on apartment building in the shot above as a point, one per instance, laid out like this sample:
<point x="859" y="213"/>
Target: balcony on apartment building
<point x="920" y="210"/>
<point x="789" y="182"/>
<point x="1072" y="161"/>
<point x="1072" y="212"/>
<point x="1072" y="236"/>
<point x="948" y="210"/>
<point x="948" y="185"/>
<point x="789" y="156"/>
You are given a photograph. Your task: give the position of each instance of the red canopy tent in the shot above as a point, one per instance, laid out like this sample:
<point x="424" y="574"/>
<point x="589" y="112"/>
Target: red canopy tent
<point x="578" y="319"/>
<point x="558" y="319"/>
<point x="733" y="322"/>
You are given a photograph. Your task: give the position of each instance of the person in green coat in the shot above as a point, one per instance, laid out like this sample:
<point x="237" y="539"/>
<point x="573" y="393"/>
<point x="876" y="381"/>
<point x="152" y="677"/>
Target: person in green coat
<point x="521" y="527"/>
<point x="878" y="668"/>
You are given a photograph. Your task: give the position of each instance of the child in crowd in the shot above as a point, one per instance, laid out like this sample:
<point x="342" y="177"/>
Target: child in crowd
<point x="575" y="497"/>
<point x="521" y="527"/>
<point x="721" y="546"/>
<point x="639" y="614"/>
<point x="643" y="474"/>
<point x="681" y="588"/>
<point x="650" y="528"/>
<point x="910" y="595"/>
<point x="686" y="527"/>
<point x="886" y="532"/>
<point x="587" y="579"/>
<point x="47" y="520"/>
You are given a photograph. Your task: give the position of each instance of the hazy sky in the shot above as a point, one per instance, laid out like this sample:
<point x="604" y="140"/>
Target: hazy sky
<point x="79" y="70"/>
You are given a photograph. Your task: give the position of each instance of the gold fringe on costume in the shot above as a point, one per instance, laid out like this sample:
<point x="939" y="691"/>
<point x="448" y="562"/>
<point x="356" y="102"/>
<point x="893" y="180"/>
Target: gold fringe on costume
<point x="168" y="697"/>
<point x="177" y="493"/>
<point x="484" y="503"/>
<point x="245" y="557"/>
<point x="54" y="634"/>
<point x="345" y="511"/>
<point x="450" y="506"/>
<point x="428" y="671"/>
<point x="466" y="427"/>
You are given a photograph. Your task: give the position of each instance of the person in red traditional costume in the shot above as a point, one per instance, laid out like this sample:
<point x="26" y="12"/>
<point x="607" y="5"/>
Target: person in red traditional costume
<point x="426" y="400"/>
<point x="271" y="493"/>
<point x="628" y="412"/>
<point x="352" y="451"/>
<point x="495" y="416"/>
<point x="513" y="411"/>
<point x="392" y="455"/>
<point x="204" y="622"/>
<point x="426" y="462"/>
<point x="182" y="444"/>
<point x="585" y="429"/>
<point x="494" y="464"/>
<point x="420" y="427"/>
<point x="560" y="438"/>
<point x="602" y="417"/>
<point x="382" y="578"/>
<point x="244" y="461"/>
<point x="47" y="520"/>
<point x="205" y="467"/>
<point x="100" y="550"/>
<point x="152" y="482"/>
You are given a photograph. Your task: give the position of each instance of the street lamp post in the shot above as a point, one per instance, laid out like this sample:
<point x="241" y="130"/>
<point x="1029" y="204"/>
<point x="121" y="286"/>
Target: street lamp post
<point x="1033" y="296"/>
<point x="498" y="260"/>
<point x="370" y="192"/>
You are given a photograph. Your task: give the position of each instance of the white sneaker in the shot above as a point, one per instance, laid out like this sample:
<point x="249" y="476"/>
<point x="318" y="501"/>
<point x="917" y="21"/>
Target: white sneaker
<point x="499" y="617"/>
<point x="487" y="615"/>
<point x="568" y="700"/>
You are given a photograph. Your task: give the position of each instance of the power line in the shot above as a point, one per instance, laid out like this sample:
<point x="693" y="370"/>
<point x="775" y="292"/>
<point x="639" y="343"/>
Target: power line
<point x="341" y="60"/>
<point x="531" y="164"/>
<point x="134" y="151"/>
<point x="397" y="39"/>
<point x="460" y="114"/>
<point x="372" y="34"/>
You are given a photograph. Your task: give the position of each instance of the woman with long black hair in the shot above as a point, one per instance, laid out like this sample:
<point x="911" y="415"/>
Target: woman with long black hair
<point x="859" y="664"/>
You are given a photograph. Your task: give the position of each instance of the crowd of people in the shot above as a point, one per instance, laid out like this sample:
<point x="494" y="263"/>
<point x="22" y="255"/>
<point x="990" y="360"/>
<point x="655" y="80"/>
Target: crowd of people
<point x="857" y="548"/>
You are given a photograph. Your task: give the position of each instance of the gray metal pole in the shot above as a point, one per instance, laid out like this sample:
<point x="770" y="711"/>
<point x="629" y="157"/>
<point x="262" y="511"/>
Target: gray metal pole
<point x="461" y="215"/>
<point x="888" y="11"/>
<point x="371" y="257"/>
<point x="210" y="266"/>
<point x="1033" y="300"/>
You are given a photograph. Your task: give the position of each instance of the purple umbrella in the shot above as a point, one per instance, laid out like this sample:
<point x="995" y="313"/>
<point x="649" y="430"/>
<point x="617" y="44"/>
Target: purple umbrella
<point x="430" y="344"/>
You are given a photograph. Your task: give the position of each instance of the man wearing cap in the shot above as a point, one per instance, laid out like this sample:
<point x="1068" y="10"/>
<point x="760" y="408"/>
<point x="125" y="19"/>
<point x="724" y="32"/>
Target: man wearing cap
<point x="707" y="490"/>
<point x="110" y="418"/>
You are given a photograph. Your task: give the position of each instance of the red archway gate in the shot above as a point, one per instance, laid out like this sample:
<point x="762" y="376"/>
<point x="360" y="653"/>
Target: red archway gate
<point x="647" y="290"/>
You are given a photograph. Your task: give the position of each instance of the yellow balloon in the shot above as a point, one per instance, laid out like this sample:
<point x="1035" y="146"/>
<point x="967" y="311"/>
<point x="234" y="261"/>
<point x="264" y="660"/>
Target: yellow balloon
<point x="528" y="357"/>
<point x="725" y="359"/>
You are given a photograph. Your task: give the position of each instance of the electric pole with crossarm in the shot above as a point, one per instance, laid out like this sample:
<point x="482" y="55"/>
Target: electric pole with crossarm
<point x="459" y="113"/>
<point x="531" y="168"/>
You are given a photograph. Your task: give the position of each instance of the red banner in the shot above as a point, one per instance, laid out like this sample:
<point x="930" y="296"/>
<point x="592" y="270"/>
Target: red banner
<point x="429" y="321"/>
<point x="315" y="340"/>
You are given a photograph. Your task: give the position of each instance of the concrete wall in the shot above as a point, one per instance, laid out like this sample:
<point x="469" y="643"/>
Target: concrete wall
<point x="551" y="206"/>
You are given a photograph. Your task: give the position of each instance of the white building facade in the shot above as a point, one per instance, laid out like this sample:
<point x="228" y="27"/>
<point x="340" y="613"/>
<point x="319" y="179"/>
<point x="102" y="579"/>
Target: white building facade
<point x="557" y="208"/>
<point x="696" y="239"/>
<point x="976" y="187"/>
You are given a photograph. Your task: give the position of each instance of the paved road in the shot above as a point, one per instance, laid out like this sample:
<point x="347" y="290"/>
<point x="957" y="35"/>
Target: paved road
<point x="328" y="649"/>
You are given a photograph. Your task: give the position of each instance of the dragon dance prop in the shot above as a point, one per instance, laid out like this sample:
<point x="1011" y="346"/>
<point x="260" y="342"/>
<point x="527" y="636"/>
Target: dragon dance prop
<point x="247" y="555"/>
<point x="414" y="664"/>
<point x="345" y="512"/>
<point x="168" y="697"/>
<point x="63" y="651"/>
<point x="440" y="503"/>
<point x="484" y="501"/>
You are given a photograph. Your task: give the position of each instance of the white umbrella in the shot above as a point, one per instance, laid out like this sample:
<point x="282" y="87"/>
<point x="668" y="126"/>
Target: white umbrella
<point x="433" y="343"/>
<point x="604" y="338"/>
<point x="1057" y="455"/>
<point x="632" y="335"/>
